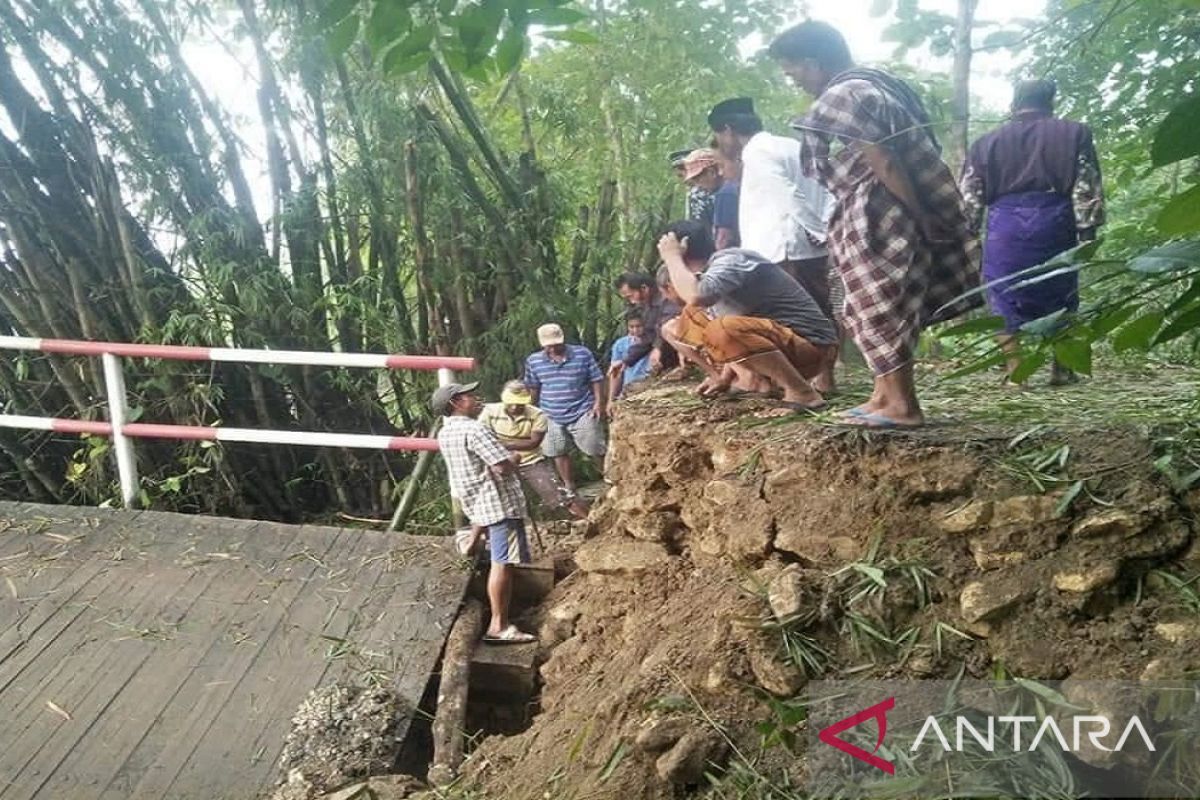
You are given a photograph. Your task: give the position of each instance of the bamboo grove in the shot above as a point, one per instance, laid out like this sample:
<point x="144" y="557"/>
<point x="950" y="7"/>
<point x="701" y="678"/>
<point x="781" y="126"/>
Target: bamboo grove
<point x="397" y="224"/>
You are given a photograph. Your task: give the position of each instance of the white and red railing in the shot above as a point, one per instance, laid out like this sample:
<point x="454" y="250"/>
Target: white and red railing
<point x="124" y="432"/>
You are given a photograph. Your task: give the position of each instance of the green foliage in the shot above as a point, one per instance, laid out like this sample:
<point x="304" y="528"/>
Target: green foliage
<point x="479" y="39"/>
<point x="1176" y="138"/>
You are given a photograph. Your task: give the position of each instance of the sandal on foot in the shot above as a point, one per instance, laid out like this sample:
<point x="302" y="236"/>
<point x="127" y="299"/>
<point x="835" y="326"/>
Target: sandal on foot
<point x="864" y="419"/>
<point x="510" y="635"/>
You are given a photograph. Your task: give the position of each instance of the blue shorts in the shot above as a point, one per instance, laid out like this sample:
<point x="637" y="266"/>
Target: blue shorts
<point x="507" y="542"/>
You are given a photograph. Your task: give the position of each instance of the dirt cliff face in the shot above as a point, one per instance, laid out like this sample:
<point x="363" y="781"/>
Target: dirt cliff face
<point x="733" y="559"/>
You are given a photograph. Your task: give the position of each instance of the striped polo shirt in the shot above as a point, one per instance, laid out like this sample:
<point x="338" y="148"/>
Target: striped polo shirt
<point x="564" y="387"/>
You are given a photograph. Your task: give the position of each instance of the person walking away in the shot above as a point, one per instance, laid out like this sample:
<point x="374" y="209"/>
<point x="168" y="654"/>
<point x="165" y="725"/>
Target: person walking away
<point x="483" y="476"/>
<point x="568" y="386"/>
<point x="620" y="375"/>
<point x="758" y="317"/>
<point x="1037" y="178"/>
<point x="898" y="232"/>
<point x="521" y="426"/>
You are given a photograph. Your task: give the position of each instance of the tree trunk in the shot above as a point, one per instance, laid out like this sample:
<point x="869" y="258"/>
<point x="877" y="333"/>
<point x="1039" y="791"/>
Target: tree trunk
<point x="960" y="101"/>
<point x="449" y="723"/>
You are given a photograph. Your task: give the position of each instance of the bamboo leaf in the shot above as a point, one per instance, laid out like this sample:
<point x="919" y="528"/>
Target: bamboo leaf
<point x="988" y="324"/>
<point x="1138" y="334"/>
<point x="999" y="39"/>
<point x="334" y="12"/>
<point x="1064" y="503"/>
<point x="478" y="26"/>
<point x="342" y="36"/>
<point x="1109" y="321"/>
<point x="556" y="16"/>
<point x="979" y="365"/>
<point x="1043" y="691"/>
<point x="880" y="8"/>
<point x="614" y="761"/>
<point x="1047" y="325"/>
<point x="388" y="23"/>
<point x="572" y="36"/>
<point x="1074" y="354"/>
<point x="1181" y="215"/>
<point x="1176" y="137"/>
<point x="1186" y="299"/>
<point x="410" y="53"/>
<point x="1186" y="321"/>
<point x="1169" y="257"/>
<point x="1030" y="364"/>
<point x="510" y="51"/>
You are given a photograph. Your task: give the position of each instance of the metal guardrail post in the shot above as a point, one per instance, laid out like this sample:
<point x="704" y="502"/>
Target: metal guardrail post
<point x="420" y="470"/>
<point x="118" y="412"/>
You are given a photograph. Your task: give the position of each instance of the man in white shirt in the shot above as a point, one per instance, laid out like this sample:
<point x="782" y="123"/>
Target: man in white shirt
<point x="782" y="214"/>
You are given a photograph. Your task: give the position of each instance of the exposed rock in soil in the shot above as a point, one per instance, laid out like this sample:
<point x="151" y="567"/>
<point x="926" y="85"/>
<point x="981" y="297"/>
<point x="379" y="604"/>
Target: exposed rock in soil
<point x="382" y="787"/>
<point x="699" y="751"/>
<point x="717" y="538"/>
<point x="616" y="555"/>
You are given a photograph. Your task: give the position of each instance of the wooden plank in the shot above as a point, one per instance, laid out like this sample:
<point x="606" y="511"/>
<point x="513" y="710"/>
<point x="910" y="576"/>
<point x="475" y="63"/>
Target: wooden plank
<point x="89" y="656"/>
<point x="21" y="644"/>
<point x="89" y="768"/>
<point x="220" y="615"/>
<point x="50" y="646"/>
<point x="119" y="666"/>
<point x="203" y="713"/>
<point x="257" y="716"/>
<point x="119" y="593"/>
<point x="223" y="668"/>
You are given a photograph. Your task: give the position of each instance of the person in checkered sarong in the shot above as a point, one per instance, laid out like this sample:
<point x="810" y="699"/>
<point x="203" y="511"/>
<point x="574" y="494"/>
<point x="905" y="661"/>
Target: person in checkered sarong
<point x="899" y="234"/>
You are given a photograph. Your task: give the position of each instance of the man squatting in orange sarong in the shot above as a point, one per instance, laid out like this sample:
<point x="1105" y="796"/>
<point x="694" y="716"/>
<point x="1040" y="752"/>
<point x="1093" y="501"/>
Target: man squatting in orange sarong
<point x="746" y="321"/>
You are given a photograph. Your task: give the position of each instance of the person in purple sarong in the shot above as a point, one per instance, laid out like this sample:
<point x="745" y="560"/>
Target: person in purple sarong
<point x="1038" y="179"/>
<point x="898" y="233"/>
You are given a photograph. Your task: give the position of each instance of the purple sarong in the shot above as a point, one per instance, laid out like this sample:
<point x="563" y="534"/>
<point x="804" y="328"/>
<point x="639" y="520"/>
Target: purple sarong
<point x="1024" y="230"/>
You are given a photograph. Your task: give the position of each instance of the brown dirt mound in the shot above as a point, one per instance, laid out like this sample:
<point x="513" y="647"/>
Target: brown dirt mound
<point x="731" y="562"/>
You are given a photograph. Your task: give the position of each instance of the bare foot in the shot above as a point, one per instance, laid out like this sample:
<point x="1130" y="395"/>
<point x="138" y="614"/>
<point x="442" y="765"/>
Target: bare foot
<point x="711" y="387"/>
<point x="786" y="409"/>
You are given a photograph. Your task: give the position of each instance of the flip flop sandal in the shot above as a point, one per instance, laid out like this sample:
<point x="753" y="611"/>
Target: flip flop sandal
<point x="510" y="635"/>
<point x="863" y="419"/>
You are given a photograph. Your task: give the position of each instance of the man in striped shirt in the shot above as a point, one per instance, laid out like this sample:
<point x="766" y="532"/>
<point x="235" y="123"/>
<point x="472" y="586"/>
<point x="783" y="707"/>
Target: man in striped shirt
<point x="568" y="386"/>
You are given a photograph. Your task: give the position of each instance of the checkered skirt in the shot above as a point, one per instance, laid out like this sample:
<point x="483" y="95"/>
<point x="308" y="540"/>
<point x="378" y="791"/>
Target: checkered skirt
<point x="896" y="283"/>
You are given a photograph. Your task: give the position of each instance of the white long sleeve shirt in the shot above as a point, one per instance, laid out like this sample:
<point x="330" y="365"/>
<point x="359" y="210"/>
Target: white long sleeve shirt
<point x="778" y="204"/>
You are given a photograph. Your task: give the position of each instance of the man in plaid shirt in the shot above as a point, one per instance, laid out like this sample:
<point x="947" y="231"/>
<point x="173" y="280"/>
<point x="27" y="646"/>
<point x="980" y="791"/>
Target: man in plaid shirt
<point x="483" y="476"/>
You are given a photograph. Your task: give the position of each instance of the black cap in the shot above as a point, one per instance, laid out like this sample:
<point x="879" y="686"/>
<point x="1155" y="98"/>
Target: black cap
<point x="735" y="106"/>
<point x="442" y="395"/>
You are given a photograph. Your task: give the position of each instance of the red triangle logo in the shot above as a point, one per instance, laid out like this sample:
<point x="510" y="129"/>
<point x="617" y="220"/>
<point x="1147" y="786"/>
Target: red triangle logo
<point x="877" y="712"/>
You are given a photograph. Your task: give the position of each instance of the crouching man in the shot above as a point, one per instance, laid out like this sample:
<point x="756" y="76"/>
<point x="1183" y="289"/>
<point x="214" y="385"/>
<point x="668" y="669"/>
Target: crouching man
<point x="483" y="476"/>
<point x="747" y="319"/>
